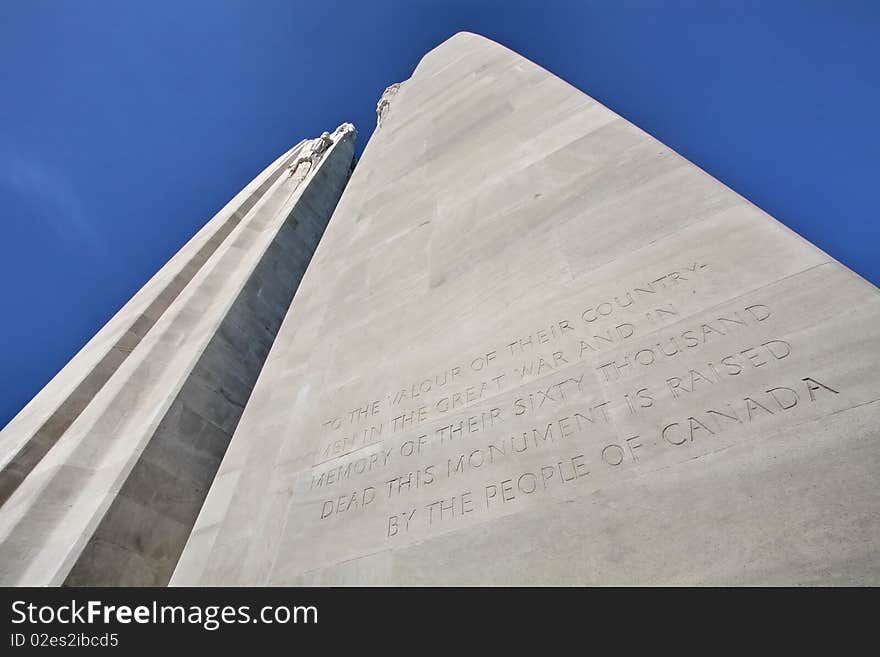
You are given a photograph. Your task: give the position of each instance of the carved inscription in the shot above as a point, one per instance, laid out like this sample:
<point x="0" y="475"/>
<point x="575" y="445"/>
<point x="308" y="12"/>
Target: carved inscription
<point x="619" y="386"/>
<point x="556" y="345"/>
<point x="562" y="473"/>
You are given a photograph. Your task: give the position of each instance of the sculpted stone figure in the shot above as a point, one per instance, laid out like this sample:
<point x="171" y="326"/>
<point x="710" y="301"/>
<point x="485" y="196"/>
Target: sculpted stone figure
<point x="342" y="130"/>
<point x="315" y="149"/>
<point x="384" y="103"/>
<point x="321" y="144"/>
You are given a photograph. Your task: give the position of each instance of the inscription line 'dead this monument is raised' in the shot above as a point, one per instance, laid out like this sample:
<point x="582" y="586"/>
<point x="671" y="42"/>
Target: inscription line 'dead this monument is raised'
<point x="533" y="346"/>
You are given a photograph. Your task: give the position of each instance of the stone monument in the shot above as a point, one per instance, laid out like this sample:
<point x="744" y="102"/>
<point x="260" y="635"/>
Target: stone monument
<point x="534" y="346"/>
<point x="103" y="473"/>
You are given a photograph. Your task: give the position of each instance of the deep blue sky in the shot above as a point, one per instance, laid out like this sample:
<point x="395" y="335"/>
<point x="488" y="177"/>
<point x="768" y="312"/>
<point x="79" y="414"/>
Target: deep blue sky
<point x="125" y="125"/>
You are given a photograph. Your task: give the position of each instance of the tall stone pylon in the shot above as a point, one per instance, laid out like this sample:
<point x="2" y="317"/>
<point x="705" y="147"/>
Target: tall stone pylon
<point x="537" y="346"/>
<point x="103" y="473"/>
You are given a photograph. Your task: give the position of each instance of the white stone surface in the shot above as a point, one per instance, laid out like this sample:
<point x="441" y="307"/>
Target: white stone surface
<point x="537" y="346"/>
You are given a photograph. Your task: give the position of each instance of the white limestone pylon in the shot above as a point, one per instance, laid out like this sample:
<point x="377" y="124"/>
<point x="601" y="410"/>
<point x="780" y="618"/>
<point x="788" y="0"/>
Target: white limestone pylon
<point x="537" y="346"/>
<point x="105" y="471"/>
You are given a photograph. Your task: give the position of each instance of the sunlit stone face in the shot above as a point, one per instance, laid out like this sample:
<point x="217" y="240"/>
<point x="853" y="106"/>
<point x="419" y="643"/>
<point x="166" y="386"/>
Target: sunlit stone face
<point x="537" y="346"/>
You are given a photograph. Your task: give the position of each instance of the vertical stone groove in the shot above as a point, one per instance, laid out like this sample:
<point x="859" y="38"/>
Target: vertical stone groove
<point x="30" y="454"/>
<point x="141" y="536"/>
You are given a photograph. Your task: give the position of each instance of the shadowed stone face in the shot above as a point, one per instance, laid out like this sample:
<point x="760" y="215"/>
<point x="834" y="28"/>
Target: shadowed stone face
<point x="536" y="346"/>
